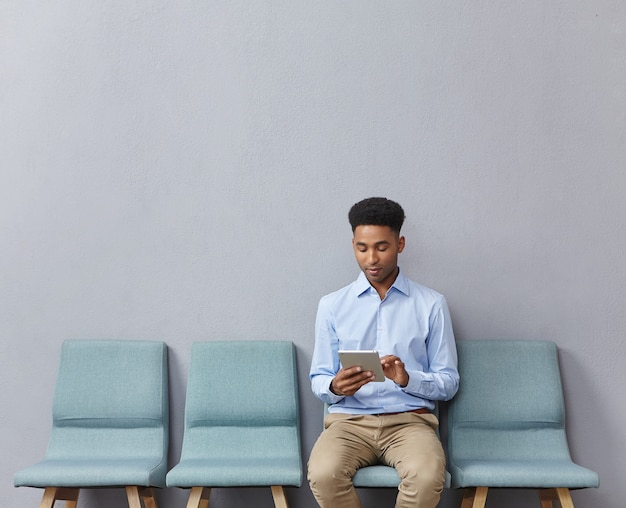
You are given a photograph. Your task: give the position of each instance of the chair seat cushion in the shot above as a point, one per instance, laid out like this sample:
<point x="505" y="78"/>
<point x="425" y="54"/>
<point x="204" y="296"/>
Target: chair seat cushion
<point x="376" y="476"/>
<point x="235" y="472"/>
<point x="382" y="476"/>
<point x="147" y="472"/>
<point x="522" y="474"/>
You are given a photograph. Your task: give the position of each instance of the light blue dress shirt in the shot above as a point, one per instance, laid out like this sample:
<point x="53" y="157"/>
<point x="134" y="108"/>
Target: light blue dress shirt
<point x="411" y="322"/>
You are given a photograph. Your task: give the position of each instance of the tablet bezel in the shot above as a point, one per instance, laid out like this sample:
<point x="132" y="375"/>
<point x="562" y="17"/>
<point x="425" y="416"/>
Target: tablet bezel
<point x="367" y="360"/>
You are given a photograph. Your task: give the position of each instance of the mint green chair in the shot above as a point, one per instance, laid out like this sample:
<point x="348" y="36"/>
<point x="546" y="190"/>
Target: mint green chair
<point x="506" y="425"/>
<point x="241" y="420"/>
<point x="109" y="423"/>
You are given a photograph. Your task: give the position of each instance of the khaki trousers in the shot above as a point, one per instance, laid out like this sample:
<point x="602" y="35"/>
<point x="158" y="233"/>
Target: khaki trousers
<point x="406" y="441"/>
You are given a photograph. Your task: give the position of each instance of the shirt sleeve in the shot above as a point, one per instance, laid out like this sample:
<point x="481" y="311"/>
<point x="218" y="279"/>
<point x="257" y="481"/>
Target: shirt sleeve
<point x="440" y="381"/>
<point x="325" y="362"/>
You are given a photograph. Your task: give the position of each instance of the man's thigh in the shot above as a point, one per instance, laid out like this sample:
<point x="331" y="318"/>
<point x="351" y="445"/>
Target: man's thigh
<point x="410" y="443"/>
<point x="347" y="443"/>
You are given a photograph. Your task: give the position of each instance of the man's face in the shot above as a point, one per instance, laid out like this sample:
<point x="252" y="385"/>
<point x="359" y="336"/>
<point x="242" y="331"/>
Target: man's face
<point x="376" y="249"/>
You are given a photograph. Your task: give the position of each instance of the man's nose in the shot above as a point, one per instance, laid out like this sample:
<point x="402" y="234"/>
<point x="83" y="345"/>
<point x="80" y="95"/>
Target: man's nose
<point x="372" y="257"/>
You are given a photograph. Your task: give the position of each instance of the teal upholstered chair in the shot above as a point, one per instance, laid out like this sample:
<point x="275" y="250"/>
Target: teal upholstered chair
<point x="241" y="420"/>
<point x="109" y="422"/>
<point x="380" y="475"/>
<point x="506" y="425"/>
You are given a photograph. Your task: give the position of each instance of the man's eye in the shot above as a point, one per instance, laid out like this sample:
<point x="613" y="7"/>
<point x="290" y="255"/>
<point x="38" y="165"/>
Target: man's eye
<point x="382" y="249"/>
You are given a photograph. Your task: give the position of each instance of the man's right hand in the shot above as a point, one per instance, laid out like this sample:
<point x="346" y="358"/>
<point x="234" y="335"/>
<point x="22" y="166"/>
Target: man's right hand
<point x="348" y="381"/>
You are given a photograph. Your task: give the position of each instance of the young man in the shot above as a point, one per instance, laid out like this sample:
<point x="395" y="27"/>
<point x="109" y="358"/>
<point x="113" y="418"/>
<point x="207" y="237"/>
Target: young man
<point x="389" y="422"/>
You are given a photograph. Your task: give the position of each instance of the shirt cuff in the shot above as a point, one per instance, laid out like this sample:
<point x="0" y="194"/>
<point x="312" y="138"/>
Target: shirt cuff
<point x="333" y="397"/>
<point x="419" y="386"/>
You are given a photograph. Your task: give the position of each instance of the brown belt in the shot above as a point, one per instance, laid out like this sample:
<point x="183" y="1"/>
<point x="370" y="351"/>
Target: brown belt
<point x="419" y="411"/>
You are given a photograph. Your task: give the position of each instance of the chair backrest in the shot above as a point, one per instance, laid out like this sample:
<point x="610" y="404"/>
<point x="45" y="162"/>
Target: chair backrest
<point x="242" y="400"/>
<point x="111" y="401"/>
<point x="510" y="401"/>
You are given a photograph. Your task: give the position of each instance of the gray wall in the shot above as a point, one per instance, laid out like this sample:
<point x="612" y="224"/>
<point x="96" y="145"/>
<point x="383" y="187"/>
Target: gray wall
<point x="183" y="170"/>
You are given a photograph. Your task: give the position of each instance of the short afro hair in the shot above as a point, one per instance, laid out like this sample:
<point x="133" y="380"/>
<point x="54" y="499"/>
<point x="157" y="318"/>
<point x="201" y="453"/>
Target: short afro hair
<point x="376" y="212"/>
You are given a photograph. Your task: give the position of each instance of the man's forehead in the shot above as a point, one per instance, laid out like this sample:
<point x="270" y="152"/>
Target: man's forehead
<point x="374" y="234"/>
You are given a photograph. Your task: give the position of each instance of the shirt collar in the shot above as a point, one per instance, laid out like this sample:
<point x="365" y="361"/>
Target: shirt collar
<point x="361" y="285"/>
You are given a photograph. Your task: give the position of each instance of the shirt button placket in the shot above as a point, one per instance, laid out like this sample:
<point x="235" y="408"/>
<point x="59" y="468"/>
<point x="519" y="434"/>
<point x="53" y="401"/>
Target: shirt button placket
<point x="379" y="327"/>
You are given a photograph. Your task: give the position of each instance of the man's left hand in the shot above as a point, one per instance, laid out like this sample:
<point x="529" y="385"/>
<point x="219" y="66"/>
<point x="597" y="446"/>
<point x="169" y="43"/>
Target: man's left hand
<point x="394" y="369"/>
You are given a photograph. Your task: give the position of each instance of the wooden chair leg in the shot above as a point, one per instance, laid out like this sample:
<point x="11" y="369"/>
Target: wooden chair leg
<point x="52" y="494"/>
<point x="562" y="495"/>
<point x="136" y="495"/>
<point x="132" y="493"/>
<point x="565" y="498"/>
<point x="49" y="495"/>
<point x="69" y="495"/>
<point x="546" y="496"/>
<point x="199" y="497"/>
<point x="148" y="497"/>
<point x="474" y="497"/>
<point x="278" y="493"/>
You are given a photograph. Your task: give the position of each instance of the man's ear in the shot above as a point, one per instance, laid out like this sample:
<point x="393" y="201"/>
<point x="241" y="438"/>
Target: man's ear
<point x="400" y="244"/>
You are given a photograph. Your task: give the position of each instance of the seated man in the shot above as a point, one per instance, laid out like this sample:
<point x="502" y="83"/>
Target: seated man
<point x="389" y="422"/>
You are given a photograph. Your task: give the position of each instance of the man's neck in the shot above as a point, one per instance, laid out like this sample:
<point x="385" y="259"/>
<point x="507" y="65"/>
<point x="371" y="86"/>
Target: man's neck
<point x="383" y="287"/>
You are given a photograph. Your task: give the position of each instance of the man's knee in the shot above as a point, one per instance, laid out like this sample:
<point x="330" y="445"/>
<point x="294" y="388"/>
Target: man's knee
<point x="331" y="484"/>
<point x="326" y="473"/>
<point x="423" y="475"/>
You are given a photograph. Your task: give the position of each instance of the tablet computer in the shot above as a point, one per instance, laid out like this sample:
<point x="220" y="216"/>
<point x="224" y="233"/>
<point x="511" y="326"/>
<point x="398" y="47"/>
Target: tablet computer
<point x="367" y="360"/>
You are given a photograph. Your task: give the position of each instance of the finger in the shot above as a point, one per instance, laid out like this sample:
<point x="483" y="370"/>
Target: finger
<point x="390" y="360"/>
<point x="355" y="382"/>
<point x="352" y="389"/>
